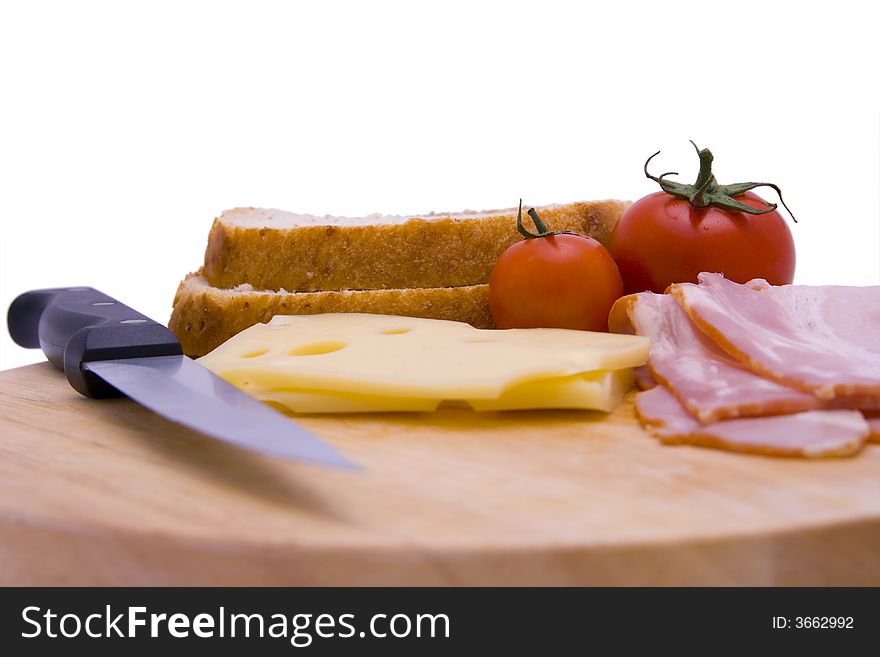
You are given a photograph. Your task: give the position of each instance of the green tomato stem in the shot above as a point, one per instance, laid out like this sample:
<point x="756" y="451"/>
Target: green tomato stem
<point x="543" y="230"/>
<point x="707" y="192"/>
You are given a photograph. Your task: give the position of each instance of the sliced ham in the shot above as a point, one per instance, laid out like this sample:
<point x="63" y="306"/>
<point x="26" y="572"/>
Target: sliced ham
<point x="809" y="434"/>
<point x="709" y="383"/>
<point x="644" y="379"/>
<point x="824" y="340"/>
<point x="873" y="420"/>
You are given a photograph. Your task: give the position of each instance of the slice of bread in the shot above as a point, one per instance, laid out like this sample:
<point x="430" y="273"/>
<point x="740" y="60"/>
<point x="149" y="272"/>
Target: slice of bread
<point x="276" y="250"/>
<point x="205" y="316"/>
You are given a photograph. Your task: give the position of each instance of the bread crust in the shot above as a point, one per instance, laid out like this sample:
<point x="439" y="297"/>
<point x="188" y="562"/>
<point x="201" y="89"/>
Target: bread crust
<point x="205" y="316"/>
<point x="436" y="252"/>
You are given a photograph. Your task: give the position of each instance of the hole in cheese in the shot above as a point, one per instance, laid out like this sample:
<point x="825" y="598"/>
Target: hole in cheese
<point x="254" y="354"/>
<point x="317" y="348"/>
<point x="397" y="331"/>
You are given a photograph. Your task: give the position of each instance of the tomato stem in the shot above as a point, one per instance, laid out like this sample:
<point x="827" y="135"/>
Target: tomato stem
<point x="543" y="231"/>
<point x="706" y="191"/>
<point x="704" y="178"/>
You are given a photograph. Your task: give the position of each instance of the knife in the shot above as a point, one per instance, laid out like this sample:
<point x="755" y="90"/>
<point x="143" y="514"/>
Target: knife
<point x="106" y="349"/>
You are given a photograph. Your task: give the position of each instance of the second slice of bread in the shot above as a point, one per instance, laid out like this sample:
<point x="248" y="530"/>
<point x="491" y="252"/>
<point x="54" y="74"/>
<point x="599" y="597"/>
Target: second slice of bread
<point x="274" y="250"/>
<point x="205" y="316"/>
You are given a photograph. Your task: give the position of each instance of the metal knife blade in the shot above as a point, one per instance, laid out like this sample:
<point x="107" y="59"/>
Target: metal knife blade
<point x="106" y="349"/>
<point x="181" y="390"/>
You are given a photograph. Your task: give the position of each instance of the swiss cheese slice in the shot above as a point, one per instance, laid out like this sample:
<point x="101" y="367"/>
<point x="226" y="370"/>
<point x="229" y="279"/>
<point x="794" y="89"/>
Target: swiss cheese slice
<point x="409" y="358"/>
<point x="602" y="390"/>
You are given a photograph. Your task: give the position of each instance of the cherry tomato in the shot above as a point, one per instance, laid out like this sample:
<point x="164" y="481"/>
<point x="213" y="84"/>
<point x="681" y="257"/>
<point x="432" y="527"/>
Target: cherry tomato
<point x="663" y="239"/>
<point x="554" y="281"/>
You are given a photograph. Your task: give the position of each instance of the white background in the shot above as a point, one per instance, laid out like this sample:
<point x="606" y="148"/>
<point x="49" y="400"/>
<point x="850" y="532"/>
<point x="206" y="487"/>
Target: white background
<point x="126" y="127"/>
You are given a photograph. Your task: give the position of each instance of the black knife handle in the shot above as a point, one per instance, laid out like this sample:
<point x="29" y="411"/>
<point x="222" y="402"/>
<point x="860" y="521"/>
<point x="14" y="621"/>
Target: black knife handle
<point x="75" y="325"/>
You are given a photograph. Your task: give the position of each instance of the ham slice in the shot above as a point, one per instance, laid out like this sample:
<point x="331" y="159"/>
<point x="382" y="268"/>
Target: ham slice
<point x="808" y="434"/>
<point x="644" y="379"/>
<point x="873" y="420"/>
<point x="710" y="384"/>
<point x="820" y="339"/>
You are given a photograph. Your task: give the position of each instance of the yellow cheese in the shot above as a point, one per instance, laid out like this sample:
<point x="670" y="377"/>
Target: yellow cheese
<point x="602" y="390"/>
<point x="320" y="401"/>
<point x="369" y="356"/>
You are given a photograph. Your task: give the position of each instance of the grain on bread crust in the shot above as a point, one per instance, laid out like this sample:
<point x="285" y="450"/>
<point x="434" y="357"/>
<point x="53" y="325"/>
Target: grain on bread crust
<point x="204" y="316"/>
<point x="275" y="250"/>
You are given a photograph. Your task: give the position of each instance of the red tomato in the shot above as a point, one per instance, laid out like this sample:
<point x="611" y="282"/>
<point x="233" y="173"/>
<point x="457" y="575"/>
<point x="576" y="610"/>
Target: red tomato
<point x="662" y="239"/>
<point x="671" y="236"/>
<point x="556" y="281"/>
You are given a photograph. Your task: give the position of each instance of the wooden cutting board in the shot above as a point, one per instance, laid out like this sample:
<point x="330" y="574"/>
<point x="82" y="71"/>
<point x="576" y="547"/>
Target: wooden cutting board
<point x="105" y="492"/>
